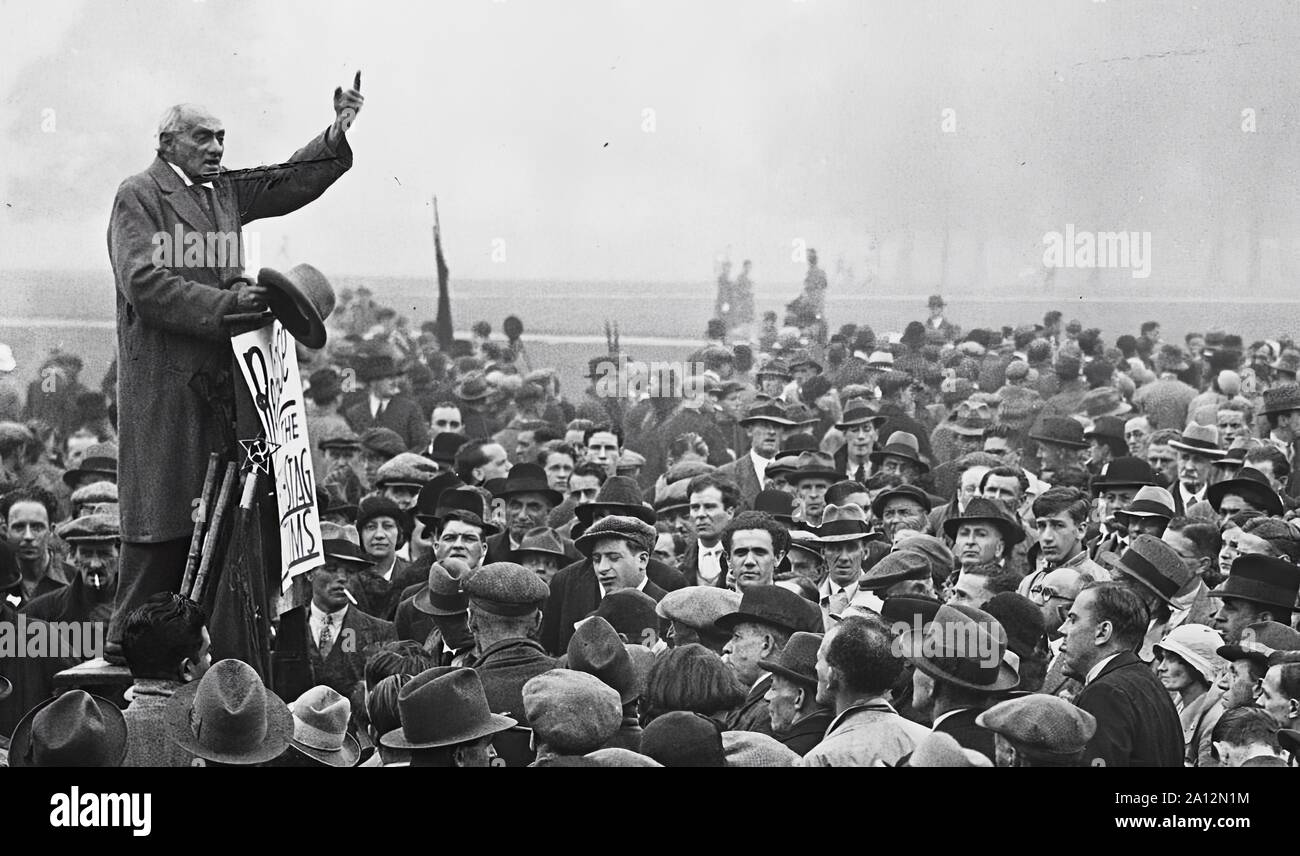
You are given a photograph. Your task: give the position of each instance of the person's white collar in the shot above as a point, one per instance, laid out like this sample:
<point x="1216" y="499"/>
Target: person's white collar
<point x="934" y="726"/>
<point x="185" y="178"/>
<point x="1096" y="670"/>
<point x="336" y="617"/>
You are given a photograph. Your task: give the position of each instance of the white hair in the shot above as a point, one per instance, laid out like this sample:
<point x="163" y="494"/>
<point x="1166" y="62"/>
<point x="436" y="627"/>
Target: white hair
<point x="176" y="119"/>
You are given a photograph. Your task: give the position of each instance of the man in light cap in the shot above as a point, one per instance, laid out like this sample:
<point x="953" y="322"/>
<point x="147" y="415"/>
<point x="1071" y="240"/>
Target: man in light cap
<point x="692" y="612"/>
<point x="571" y="713"/>
<point x="505" y="601"/>
<point x="1038" y="730"/>
<point x="94" y="541"/>
<point x="401" y="478"/>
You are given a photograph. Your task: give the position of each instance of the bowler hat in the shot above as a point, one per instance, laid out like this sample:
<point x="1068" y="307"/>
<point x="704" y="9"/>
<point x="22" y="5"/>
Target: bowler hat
<point x="636" y="532"/>
<point x="441" y="595"/>
<point x="1150" y="501"/>
<point x="320" y="727"/>
<point x="798" y="660"/>
<point x="767" y="411"/>
<point x="1251" y="485"/>
<point x="229" y="716"/>
<point x="904" y="491"/>
<point x="1126" y="471"/>
<point x="444" y="447"/>
<point x="444" y="706"/>
<point x="301" y="300"/>
<point x="595" y="648"/>
<point x="75" y="729"/>
<point x="774" y="606"/>
<point x="776" y="503"/>
<point x="967" y="647"/>
<point x="505" y="588"/>
<point x="894" y="568"/>
<point x="1153" y="564"/>
<point x="698" y="607"/>
<point x="1261" y="579"/>
<point x="847" y="522"/>
<point x="100" y="459"/>
<point x="1060" y="431"/>
<point x="980" y="508"/>
<point x="814" y="465"/>
<point x="858" y="411"/>
<point x="324" y="385"/>
<point x="1042" y="725"/>
<point x="619" y="495"/>
<point x="1199" y="440"/>
<point x="901" y="445"/>
<point x="528" y="478"/>
<point x="1106" y="428"/>
<point x="1259" y="641"/>
<point x="681" y="738"/>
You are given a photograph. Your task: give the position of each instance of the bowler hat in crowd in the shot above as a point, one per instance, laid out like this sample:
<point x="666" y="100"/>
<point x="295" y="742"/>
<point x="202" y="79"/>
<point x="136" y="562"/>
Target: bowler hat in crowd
<point x="444" y="447"/>
<point x="903" y="445"/>
<point x="444" y="706"/>
<point x="320" y="727"/>
<point x="467" y="505"/>
<point x="798" y="660"/>
<point x="229" y="716"/>
<point x="1252" y="486"/>
<point x="1126" y="471"/>
<point x="75" y="729"/>
<point x="1060" y="431"/>
<point x="776" y="607"/>
<point x="596" y="649"/>
<point x="1153" y="564"/>
<point x="778" y="504"/>
<point x="620" y="495"/>
<point x="1041" y="725"/>
<point x="1260" y="579"/>
<point x="858" y="411"/>
<point x="987" y="510"/>
<point x="426" y="501"/>
<point x="301" y="300"/>
<point x="632" y="613"/>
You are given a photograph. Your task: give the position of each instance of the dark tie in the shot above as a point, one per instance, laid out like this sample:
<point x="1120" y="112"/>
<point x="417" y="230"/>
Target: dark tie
<point x="861" y="476"/>
<point x="379" y="411"/>
<point x="204" y="195"/>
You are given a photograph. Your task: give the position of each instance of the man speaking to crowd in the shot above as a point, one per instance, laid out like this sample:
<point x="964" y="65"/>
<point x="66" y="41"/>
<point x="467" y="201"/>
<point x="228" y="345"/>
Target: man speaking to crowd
<point x="177" y="386"/>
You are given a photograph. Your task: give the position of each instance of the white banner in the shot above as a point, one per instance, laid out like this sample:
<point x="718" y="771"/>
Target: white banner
<point x="269" y="362"/>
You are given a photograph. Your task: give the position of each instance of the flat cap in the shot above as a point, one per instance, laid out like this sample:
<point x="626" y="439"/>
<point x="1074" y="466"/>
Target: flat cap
<point x="13" y="433"/>
<point x="753" y="749"/>
<point x="407" y="469"/>
<point x="102" y="491"/>
<point x="894" y="568"/>
<point x="935" y="551"/>
<point x="1041" y="724"/>
<point x="383" y="441"/>
<point x="340" y="441"/>
<point x="91" y="528"/>
<point x="505" y="588"/>
<point x="638" y="533"/>
<point x="571" y="712"/>
<point x="615" y="757"/>
<point x="698" y="606"/>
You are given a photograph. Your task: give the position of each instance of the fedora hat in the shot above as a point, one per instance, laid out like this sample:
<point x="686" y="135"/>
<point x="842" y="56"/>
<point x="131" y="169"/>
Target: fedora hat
<point x="1153" y="564"/>
<point x="775" y="606"/>
<point x="814" y="465"/>
<point x="441" y="595"/>
<point x="980" y="508"/>
<point x="1150" y="501"/>
<point x="301" y="300"/>
<point x="847" y="522"/>
<point x="75" y="729"/>
<point x="1106" y="428"/>
<point x="901" y="444"/>
<point x="776" y="503"/>
<point x="619" y="495"/>
<point x="1199" y="440"/>
<point x="473" y="386"/>
<point x="426" y="501"/>
<point x="1259" y="641"/>
<point x="466" y="505"/>
<point x="767" y="411"/>
<point x="541" y="539"/>
<point x="595" y="648"/>
<point x="444" y="447"/>
<point x="1060" y="431"/>
<point x="1127" y="471"/>
<point x="229" y="716"/>
<point x="1282" y="398"/>
<point x="907" y="491"/>
<point x="343" y="550"/>
<point x="967" y="647"/>
<point x="320" y="727"/>
<point x="1251" y="485"/>
<point x="798" y="660"/>
<point x="1104" y="401"/>
<point x="100" y="459"/>
<point x="1261" y="579"/>
<point x="531" y="478"/>
<point x="858" y="411"/>
<point x="444" y="706"/>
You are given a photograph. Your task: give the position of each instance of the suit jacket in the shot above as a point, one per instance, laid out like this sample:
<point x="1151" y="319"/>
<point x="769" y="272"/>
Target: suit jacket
<point x="752" y="714"/>
<point x="742" y="472"/>
<point x="1137" y="723"/>
<point x="842" y="463"/>
<point x="575" y="594"/>
<point x="498" y="549"/>
<point x="176" y="385"/>
<point x="690" y="566"/>
<point x="961" y="725"/>
<point x="803" y="735"/>
<point x="345" y="666"/>
<point x="401" y="415"/>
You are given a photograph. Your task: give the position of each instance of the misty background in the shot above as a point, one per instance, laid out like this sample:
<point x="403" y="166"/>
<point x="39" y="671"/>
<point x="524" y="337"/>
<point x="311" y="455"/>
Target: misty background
<point x="774" y="124"/>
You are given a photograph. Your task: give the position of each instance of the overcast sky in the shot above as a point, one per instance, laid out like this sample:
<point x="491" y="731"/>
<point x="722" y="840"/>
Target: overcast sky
<point x="773" y="121"/>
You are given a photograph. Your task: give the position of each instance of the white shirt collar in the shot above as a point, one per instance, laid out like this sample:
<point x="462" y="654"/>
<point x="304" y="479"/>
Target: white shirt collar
<point x="185" y="178"/>
<point x="716" y="549"/>
<point x="934" y="726"/>
<point x="1096" y="670"/>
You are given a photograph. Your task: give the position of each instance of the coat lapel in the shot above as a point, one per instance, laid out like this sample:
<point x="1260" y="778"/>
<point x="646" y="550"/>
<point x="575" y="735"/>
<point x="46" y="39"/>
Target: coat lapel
<point x="182" y="199"/>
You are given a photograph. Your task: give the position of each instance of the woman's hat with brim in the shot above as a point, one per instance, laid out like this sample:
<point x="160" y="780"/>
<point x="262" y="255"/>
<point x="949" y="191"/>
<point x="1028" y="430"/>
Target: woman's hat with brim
<point x="229" y="716"/>
<point x="320" y="728"/>
<point x="1199" y="440"/>
<point x="1153" y="564"/>
<point x="990" y="510"/>
<point x="302" y="300"/>
<point x="75" y="729"/>
<point x="619" y="495"/>
<point x="1198" y="646"/>
<point x="901" y="444"/>
<point x="966" y="647"/>
<point x="1251" y="485"/>
<point x="444" y="706"/>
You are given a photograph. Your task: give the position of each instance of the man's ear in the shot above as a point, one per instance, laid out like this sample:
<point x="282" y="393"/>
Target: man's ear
<point x="780" y="557"/>
<point x="1202" y="565"/>
<point x="1104" y="633"/>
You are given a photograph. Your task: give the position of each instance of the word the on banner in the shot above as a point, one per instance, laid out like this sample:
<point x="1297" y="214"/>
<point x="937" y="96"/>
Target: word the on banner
<point x="269" y="363"/>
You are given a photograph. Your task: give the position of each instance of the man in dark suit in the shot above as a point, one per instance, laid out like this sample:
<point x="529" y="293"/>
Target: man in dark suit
<point x="713" y="502"/>
<point x="1137" y="723"/>
<point x="618" y="557"/>
<point x="798" y="721"/>
<point x="528" y="499"/>
<point x="176" y="387"/>
<point x="339" y="636"/>
<point x="767" y="424"/>
<point x="384" y="407"/>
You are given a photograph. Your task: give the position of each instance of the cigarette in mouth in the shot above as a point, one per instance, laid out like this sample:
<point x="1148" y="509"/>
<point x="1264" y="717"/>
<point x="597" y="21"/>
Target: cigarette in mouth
<point x="351" y="599"/>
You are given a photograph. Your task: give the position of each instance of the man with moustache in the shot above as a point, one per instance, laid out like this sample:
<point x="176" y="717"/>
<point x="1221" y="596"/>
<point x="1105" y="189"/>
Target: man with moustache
<point x="528" y="499"/>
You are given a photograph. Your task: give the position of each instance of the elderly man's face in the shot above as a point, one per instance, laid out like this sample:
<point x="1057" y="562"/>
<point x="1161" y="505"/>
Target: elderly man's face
<point x="198" y="146"/>
<point x="844" y="560"/>
<point x="764" y="438"/>
<point x="1053" y="595"/>
<point x="1234" y="616"/>
<point x="977" y="542"/>
<point x="1240" y="684"/>
<point x="1193" y="470"/>
<point x="498" y="462"/>
<point x="783" y="699"/>
<point x="812" y="491"/>
<point x="749" y="643"/>
<point x="1079" y="649"/>
<point x="526" y="511"/>
<point x="1136" y="432"/>
<point x="905" y="469"/>
<point x="1005" y="489"/>
<point x="97" y="564"/>
<point x="902" y="513"/>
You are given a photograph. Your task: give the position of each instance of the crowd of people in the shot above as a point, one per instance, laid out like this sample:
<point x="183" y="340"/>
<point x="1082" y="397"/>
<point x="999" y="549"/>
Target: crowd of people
<point x="1015" y="547"/>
